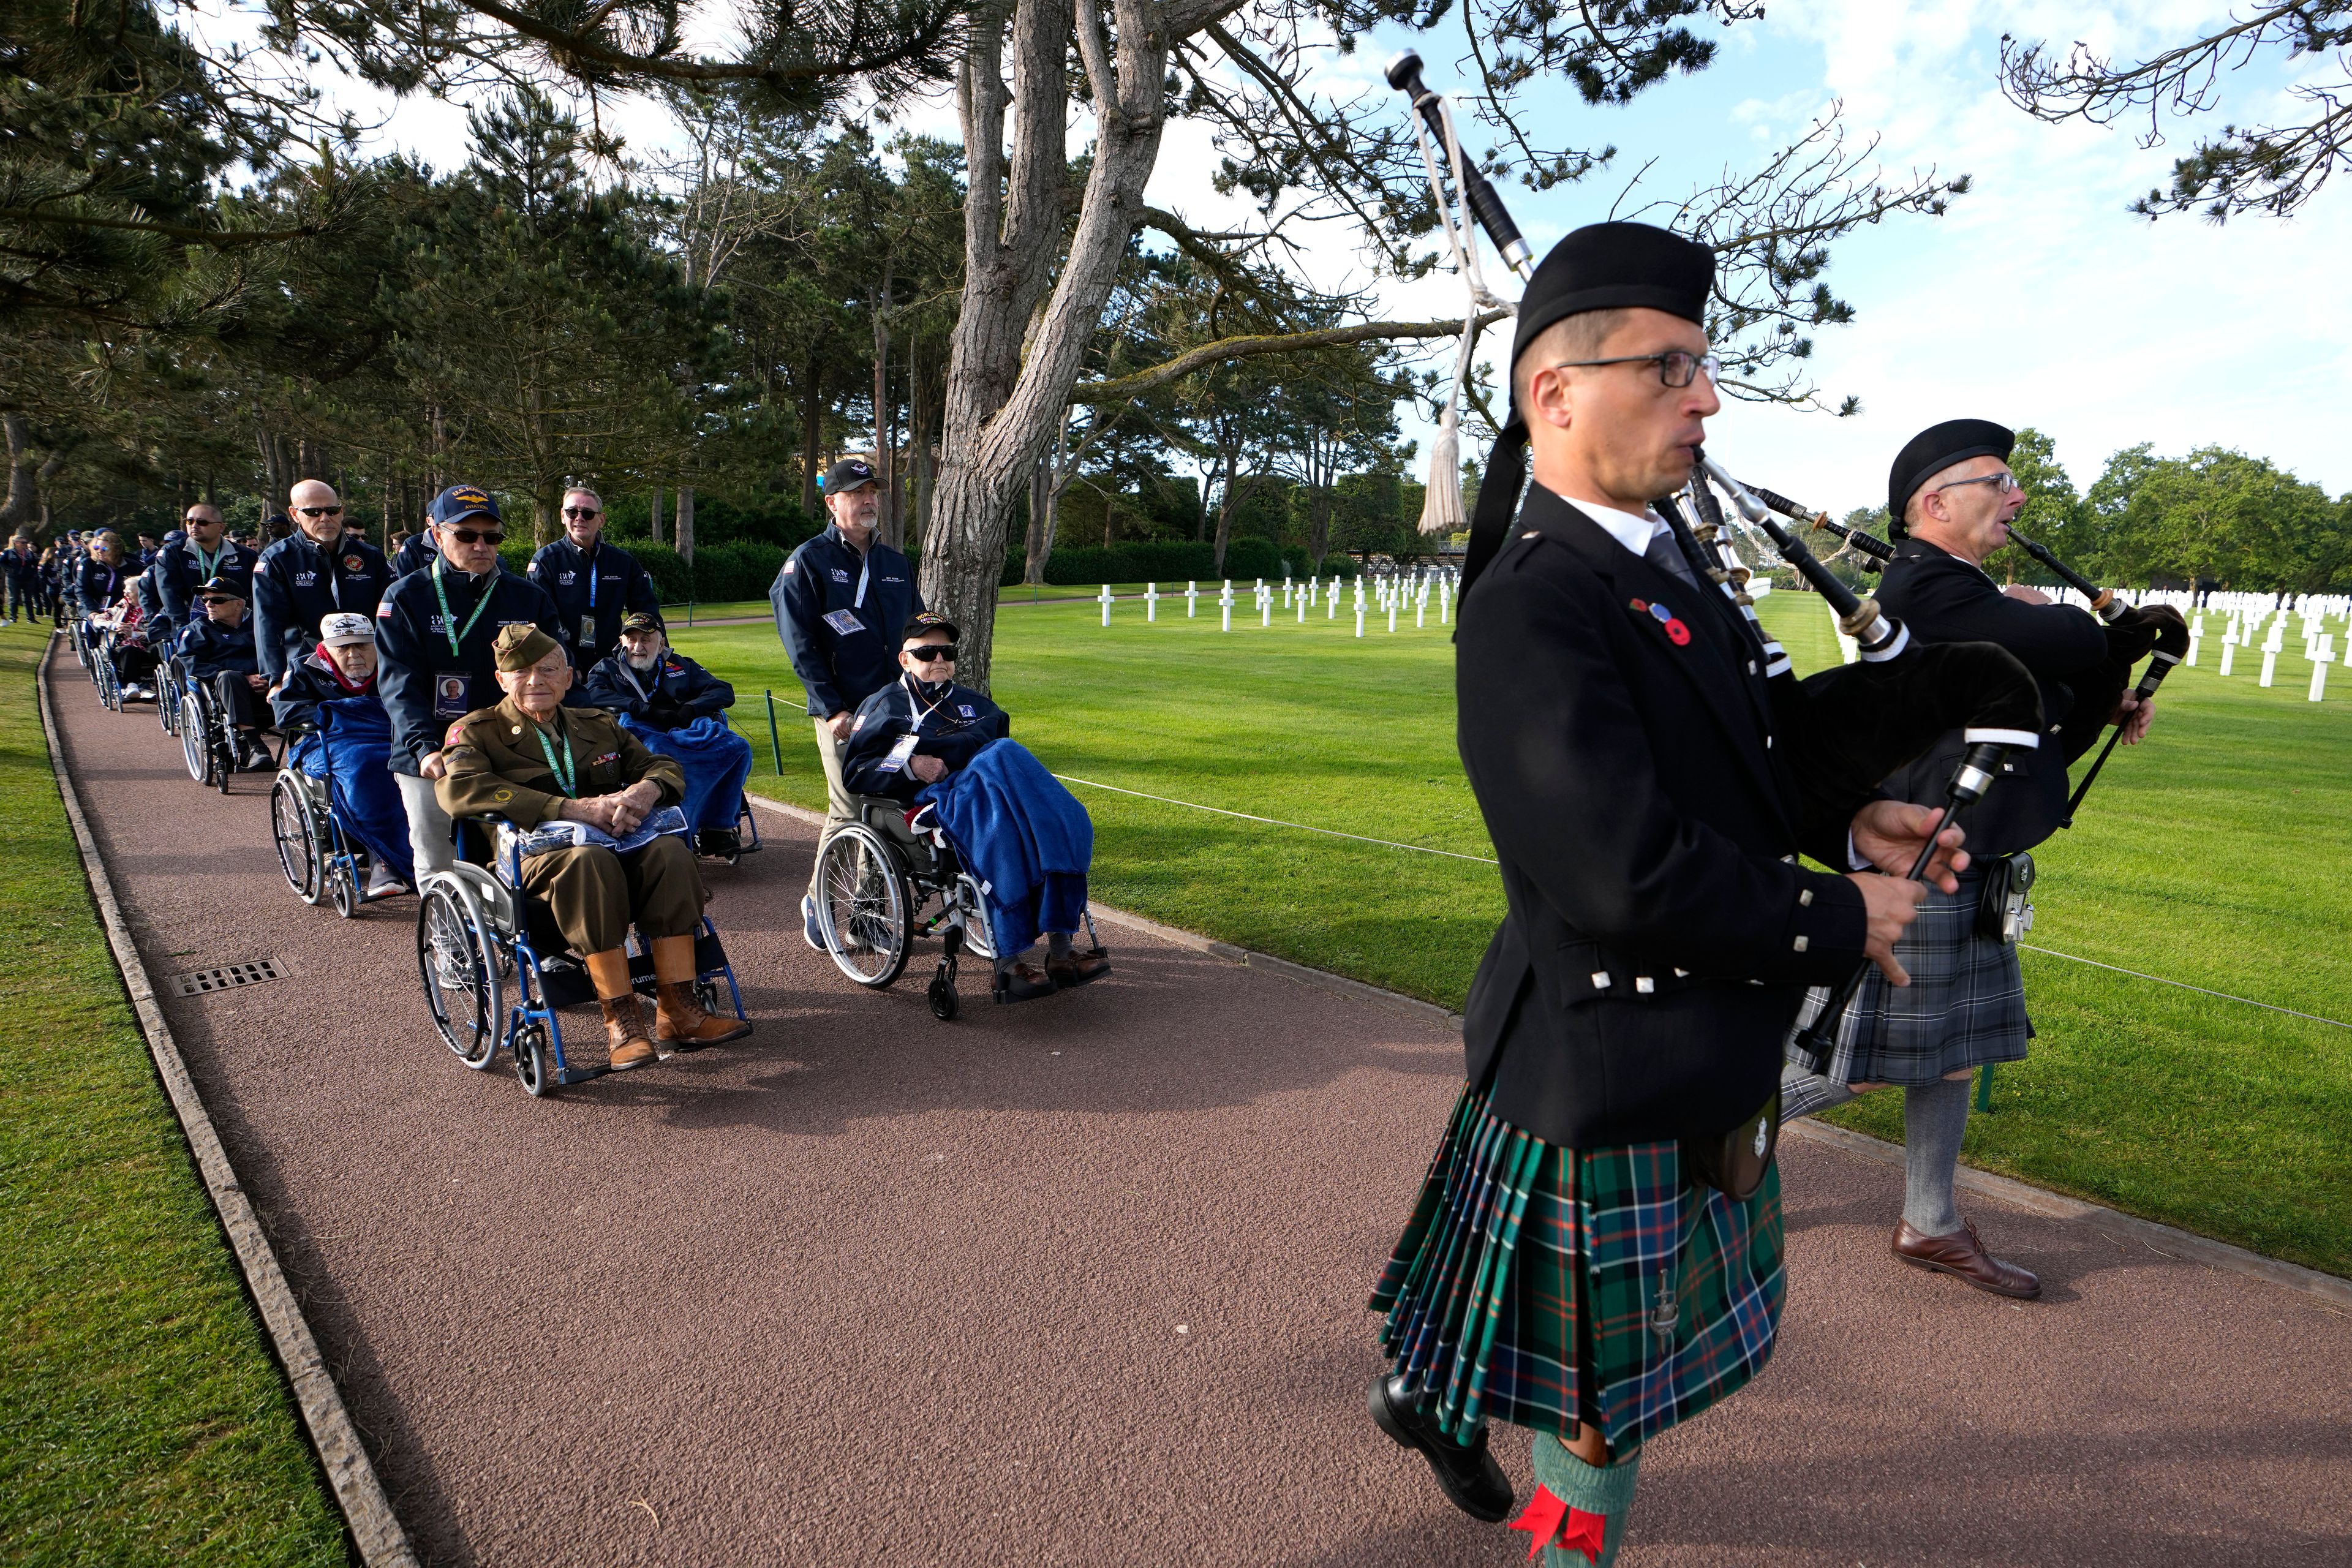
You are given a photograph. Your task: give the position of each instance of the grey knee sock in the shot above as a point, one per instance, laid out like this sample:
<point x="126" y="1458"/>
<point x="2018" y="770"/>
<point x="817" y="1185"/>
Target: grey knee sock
<point x="1057" y="945"/>
<point x="1933" y="1119"/>
<point x="1803" y="1092"/>
<point x="1605" y="1491"/>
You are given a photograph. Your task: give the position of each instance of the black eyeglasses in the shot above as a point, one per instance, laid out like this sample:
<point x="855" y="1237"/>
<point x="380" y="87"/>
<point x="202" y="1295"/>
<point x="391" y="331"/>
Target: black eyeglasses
<point x="933" y="653"/>
<point x="1676" y="367"/>
<point x="473" y="536"/>
<point x="317" y="512"/>
<point x="583" y="513"/>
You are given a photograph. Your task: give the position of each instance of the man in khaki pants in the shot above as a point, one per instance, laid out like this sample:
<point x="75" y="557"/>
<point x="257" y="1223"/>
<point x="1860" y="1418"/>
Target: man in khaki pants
<point x="840" y="601"/>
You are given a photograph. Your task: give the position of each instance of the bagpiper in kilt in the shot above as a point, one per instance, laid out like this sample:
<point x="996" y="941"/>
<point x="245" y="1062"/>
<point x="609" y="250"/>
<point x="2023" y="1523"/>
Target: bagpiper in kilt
<point x="1564" y="1268"/>
<point x="1951" y="496"/>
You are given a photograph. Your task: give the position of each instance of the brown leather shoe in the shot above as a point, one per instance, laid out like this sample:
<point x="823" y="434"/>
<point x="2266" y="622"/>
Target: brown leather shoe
<point x="1077" y="969"/>
<point x="679" y="1020"/>
<point x="625" y="1031"/>
<point x="1022" y="983"/>
<point x="1963" y="1253"/>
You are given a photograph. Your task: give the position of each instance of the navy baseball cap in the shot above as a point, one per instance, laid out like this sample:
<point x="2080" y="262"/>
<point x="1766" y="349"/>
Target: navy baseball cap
<point x="459" y="502"/>
<point x="849" y="474"/>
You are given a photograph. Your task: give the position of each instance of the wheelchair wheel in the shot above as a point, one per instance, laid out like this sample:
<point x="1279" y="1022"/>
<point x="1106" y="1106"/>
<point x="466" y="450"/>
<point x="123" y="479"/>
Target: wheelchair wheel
<point x="531" y="1061"/>
<point x="459" y="967"/>
<point x="943" y="999"/>
<point x="297" y="840"/>
<point x="167" y="705"/>
<point x="862" y="906"/>
<point x="345" y="889"/>
<point x="195" y="745"/>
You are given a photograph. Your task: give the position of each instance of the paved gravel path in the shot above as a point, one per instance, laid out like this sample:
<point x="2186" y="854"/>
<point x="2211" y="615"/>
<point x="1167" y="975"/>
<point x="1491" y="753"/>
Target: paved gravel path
<point x="1082" y="1281"/>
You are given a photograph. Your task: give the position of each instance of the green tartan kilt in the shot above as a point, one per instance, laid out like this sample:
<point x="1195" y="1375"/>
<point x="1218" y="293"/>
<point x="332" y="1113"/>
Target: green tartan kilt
<point x="1545" y="1285"/>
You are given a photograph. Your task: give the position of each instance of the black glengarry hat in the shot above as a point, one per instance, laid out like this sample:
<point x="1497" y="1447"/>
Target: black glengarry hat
<point x="1932" y="451"/>
<point x="1600" y="267"/>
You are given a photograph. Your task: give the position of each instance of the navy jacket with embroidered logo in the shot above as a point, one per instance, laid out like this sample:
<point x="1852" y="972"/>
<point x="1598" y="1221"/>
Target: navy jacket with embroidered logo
<point x="843" y="668"/>
<point x="97" y="584"/>
<point x="954" y="730"/>
<point x="415" y="554"/>
<point x="621" y="586"/>
<point x="309" y="682"/>
<point x="674" y="693"/>
<point x="1659" y="935"/>
<point x="210" y="648"/>
<point x="181" y="572"/>
<point x="296" y="583"/>
<point x="414" y="649"/>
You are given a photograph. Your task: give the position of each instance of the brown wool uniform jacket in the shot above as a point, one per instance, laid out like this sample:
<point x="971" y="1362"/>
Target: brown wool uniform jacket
<point x="496" y="768"/>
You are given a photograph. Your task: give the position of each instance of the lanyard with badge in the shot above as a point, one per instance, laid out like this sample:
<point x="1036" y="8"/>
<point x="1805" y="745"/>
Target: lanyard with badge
<point x="451" y="690"/>
<point x="905" y="746"/>
<point x="562" y="771"/>
<point x="588" y="621"/>
<point x="843" y="621"/>
<point x="207" y="570"/>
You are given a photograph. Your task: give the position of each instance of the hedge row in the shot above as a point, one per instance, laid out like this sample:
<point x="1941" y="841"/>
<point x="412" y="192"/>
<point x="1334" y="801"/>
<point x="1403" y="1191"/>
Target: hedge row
<point x="1173" y="561"/>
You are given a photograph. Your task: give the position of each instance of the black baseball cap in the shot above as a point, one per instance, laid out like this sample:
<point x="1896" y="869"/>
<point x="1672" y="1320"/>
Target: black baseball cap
<point x="849" y="474"/>
<point x="638" y="621"/>
<point x="220" y="585"/>
<point x="922" y="623"/>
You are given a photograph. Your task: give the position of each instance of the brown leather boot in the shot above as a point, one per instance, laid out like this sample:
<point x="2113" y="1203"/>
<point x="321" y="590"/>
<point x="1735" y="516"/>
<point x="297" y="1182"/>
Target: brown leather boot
<point x="625" y="1030"/>
<point x="678" y="1018"/>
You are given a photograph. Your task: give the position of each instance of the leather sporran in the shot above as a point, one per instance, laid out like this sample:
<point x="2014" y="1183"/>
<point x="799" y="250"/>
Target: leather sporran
<point x="2005" y="907"/>
<point x="1734" y="1163"/>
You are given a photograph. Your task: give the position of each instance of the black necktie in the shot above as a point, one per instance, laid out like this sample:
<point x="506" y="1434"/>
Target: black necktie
<point x="1667" y="557"/>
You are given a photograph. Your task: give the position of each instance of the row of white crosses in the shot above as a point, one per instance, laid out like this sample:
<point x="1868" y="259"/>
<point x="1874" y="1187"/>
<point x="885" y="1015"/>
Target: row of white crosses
<point x="1391" y="593"/>
<point x="2247" y="617"/>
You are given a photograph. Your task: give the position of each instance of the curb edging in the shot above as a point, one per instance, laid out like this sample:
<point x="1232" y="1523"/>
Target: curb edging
<point x="2165" y="1240"/>
<point x="367" y="1511"/>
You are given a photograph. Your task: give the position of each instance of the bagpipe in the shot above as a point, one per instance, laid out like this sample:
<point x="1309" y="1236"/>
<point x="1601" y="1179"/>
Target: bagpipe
<point x="1876" y="553"/>
<point x="1852" y="726"/>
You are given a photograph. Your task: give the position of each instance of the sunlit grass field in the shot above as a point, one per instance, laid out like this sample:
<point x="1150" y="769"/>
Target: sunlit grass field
<point x="142" y="1419"/>
<point x="2215" y="855"/>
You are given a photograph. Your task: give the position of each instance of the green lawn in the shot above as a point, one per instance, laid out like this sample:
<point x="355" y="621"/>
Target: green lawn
<point x="2216" y="855"/>
<point x="142" y="1418"/>
<point x="740" y="609"/>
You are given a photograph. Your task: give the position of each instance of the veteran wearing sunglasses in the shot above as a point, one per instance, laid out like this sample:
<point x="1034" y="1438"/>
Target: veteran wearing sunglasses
<point x="315" y="571"/>
<point x="436" y="632"/>
<point x="594" y="585"/>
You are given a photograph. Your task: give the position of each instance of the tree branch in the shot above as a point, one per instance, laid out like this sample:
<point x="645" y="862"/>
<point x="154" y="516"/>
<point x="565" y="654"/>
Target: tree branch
<point x="1258" y="346"/>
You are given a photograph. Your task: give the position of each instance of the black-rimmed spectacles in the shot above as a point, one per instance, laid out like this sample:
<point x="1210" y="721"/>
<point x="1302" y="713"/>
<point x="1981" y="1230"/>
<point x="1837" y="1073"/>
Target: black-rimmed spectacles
<point x="1676" y="367"/>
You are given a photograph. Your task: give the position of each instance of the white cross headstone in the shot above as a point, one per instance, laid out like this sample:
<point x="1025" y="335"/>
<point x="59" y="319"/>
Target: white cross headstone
<point x="1391" y="612"/>
<point x="1360" y="616"/>
<point x="1192" y="600"/>
<point x="1444" y="602"/>
<point x="1302" y="609"/>
<point x="1152" y="601"/>
<point x="2196" y="634"/>
<point x="1226" y="600"/>
<point x="1332" y="601"/>
<point x="2319" y="672"/>
<point x="1106" y="603"/>
<point x="2270" y="663"/>
<point x="1264" y="607"/>
<point x="2229" y="653"/>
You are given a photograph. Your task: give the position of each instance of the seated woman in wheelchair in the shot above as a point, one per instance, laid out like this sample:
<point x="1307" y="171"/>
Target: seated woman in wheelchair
<point x="330" y="699"/>
<point x="675" y="706"/>
<point x="534" y="760"/>
<point x="923" y="736"/>
<point x="218" y="651"/>
<point x="126" y="644"/>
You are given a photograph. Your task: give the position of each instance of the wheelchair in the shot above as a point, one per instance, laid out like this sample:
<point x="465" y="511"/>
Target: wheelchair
<point x="477" y="931"/>
<point x="893" y="876"/>
<point x="207" y="735"/>
<point x="106" y="669"/>
<point x="320" y="862"/>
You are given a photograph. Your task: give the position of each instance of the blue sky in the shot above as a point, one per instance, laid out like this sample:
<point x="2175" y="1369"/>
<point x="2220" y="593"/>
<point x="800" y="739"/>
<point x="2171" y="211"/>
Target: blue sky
<point x="2037" y="300"/>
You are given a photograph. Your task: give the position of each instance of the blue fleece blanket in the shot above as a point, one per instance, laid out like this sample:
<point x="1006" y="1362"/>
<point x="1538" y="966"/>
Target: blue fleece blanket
<point x="1022" y="834"/>
<point x="354" y="755"/>
<point x="716" y="760"/>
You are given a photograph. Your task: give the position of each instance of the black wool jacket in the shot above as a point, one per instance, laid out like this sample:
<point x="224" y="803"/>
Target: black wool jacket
<point x="1659" y="935"/>
<point x="1942" y="599"/>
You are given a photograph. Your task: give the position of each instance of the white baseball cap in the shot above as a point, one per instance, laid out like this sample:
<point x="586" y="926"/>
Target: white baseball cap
<point x="344" y="628"/>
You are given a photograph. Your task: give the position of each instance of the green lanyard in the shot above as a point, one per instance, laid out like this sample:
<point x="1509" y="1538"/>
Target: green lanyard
<point x="207" y="570"/>
<point x="449" y="622"/>
<point x="563" y="770"/>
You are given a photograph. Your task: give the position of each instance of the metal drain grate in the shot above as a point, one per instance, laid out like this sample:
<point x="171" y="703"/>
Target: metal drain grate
<point x="228" y="978"/>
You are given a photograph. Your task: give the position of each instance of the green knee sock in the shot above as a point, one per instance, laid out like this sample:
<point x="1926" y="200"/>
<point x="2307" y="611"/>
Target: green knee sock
<point x="1608" y="1492"/>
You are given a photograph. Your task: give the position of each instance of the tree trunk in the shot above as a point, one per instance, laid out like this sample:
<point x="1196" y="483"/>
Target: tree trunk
<point x="1000" y="402"/>
<point x="19" y="508"/>
<point x="653" y="516"/>
<point x="1229" y="461"/>
<point x="811" y="414"/>
<point x="892" y="522"/>
<point x="686" y="524"/>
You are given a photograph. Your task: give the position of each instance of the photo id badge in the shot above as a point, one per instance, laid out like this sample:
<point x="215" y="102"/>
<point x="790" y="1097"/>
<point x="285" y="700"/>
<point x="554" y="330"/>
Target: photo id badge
<point x="899" y="753"/>
<point x="449" y="696"/>
<point x="845" y="622"/>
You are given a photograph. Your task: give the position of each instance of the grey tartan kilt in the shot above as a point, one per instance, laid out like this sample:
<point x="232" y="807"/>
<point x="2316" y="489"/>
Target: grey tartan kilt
<point x="1965" y="1006"/>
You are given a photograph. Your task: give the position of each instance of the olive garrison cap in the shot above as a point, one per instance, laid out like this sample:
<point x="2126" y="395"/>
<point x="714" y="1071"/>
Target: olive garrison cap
<point x="1932" y="451"/>
<point x="521" y="646"/>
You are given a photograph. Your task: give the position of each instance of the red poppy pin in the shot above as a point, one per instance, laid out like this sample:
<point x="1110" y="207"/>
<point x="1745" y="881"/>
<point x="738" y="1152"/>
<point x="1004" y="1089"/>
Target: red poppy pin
<point x="1676" y="633"/>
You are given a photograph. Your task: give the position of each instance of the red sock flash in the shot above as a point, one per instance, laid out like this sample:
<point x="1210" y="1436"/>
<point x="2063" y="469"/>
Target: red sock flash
<point x="1549" y="1521"/>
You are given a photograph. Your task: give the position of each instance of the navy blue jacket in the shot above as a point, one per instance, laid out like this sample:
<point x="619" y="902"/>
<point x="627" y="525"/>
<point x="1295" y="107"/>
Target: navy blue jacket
<point x="1943" y="598"/>
<point x="211" y="648"/>
<point x="415" y="554"/>
<point x="97" y="586"/>
<point x="592" y="602"/>
<point x="842" y="668"/>
<point x="415" y="650"/>
<point x="953" y="730"/>
<point x="671" y="695"/>
<point x="295" y="584"/>
<point x="179" y="573"/>
<point x="308" y="683"/>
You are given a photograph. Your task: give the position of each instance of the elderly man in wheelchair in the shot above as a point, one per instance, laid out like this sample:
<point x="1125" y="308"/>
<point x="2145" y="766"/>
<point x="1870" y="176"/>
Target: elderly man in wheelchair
<point x="1011" y="833"/>
<point x="679" y="710"/>
<point x="591" y="820"/>
<point x="334" y="807"/>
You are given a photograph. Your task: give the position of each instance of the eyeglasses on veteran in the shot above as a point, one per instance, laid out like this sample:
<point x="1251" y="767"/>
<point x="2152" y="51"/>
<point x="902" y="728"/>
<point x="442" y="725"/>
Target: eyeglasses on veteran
<point x="1676" y="367"/>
